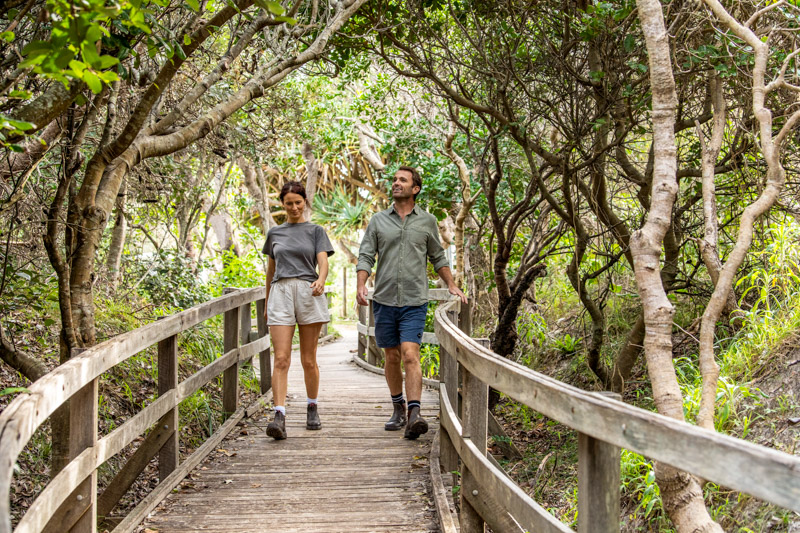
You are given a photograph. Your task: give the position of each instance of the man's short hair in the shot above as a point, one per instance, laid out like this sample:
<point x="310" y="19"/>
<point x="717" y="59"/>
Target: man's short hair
<point x="415" y="177"/>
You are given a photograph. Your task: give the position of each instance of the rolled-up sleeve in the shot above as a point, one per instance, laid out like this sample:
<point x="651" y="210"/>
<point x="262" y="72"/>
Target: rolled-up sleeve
<point x="368" y="249"/>
<point x="435" y="251"/>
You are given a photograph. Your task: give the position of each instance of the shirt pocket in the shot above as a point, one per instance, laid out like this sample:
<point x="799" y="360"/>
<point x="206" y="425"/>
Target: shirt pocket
<point x="418" y="237"/>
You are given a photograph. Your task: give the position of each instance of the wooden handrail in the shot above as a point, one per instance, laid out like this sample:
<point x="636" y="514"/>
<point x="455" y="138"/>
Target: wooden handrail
<point x="29" y="410"/>
<point x="740" y="465"/>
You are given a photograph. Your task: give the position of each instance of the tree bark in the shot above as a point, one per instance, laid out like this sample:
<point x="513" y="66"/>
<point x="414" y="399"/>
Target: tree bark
<point x="681" y="494"/>
<point x="118" y="235"/>
<point x="772" y="148"/>
<point x="312" y="176"/>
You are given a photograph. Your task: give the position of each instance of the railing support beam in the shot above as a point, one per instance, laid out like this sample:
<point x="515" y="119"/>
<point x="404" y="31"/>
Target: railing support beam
<point x="264" y="364"/>
<point x="598" y="484"/>
<point x="230" y="377"/>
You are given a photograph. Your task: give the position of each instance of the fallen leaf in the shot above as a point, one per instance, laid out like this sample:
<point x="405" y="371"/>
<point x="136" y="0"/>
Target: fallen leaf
<point x="793" y="421"/>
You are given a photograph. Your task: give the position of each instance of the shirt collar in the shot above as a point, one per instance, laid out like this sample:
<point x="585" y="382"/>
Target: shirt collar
<point x="415" y="210"/>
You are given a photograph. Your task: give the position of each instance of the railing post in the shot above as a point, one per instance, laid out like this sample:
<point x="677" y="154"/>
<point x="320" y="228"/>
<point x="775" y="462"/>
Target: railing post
<point x="372" y="347"/>
<point x="362" y="338"/>
<point x="448" y="374"/>
<point x="598" y="483"/>
<point x="78" y="512"/>
<point x="324" y="331"/>
<point x="264" y="357"/>
<point x="245" y="324"/>
<point x="475" y="396"/>
<point x="230" y="377"/>
<point x="168" y="456"/>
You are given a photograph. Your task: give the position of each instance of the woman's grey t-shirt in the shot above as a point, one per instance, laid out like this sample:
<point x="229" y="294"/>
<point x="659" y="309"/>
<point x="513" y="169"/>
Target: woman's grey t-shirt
<point x="294" y="248"/>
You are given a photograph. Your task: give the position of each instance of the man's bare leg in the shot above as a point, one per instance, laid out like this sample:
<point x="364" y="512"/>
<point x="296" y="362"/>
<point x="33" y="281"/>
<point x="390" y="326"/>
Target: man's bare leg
<point x="416" y="425"/>
<point x="394" y="379"/>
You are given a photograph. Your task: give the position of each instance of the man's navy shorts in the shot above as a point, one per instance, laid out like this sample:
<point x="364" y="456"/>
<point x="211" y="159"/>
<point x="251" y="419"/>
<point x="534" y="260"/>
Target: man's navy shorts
<point x="394" y="325"/>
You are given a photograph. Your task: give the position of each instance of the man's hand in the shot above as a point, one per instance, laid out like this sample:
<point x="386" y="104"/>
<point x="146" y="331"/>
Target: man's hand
<point x="455" y="291"/>
<point x="361" y="295"/>
<point x="317" y="287"/>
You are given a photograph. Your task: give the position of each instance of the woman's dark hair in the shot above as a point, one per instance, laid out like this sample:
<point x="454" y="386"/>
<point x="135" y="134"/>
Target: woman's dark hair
<point x="294" y="187"/>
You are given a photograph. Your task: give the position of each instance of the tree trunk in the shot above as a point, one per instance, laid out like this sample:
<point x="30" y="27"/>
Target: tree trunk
<point x="680" y="492"/>
<point x="312" y="176"/>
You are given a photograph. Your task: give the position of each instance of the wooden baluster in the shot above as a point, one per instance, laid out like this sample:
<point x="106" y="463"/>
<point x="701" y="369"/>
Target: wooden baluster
<point x="264" y="357"/>
<point x="448" y="374"/>
<point x="168" y="456"/>
<point x="82" y="435"/>
<point x="465" y="317"/>
<point x="324" y="331"/>
<point x="230" y="377"/>
<point x="373" y="352"/>
<point x="245" y="324"/>
<point x="598" y="483"/>
<point x="475" y="397"/>
<point x="362" y="339"/>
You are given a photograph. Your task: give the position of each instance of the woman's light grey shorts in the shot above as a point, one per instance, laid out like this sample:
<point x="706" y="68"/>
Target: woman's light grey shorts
<point x="291" y="302"/>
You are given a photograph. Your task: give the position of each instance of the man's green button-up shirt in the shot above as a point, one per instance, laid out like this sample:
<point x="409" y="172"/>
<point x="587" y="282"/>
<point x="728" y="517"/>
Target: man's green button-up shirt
<point x="403" y="247"/>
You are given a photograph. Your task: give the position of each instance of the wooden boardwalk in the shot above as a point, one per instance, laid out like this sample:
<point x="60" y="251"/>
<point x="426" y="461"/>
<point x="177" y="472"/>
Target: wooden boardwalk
<point x="351" y="476"/>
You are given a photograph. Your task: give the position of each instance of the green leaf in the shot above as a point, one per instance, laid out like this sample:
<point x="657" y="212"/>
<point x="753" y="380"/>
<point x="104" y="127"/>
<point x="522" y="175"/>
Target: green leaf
<point x="7" y="36"/>
<point x="14" y="390"/>
<point x="93" y="82"/>
<point x="275" y="8"/>
<point x="36" y="48"/>
<point x="629" y="43"/>
<point x="288" y="20"/>
<point x="78" y="67"/>
<point x="194" y="5"/>
<point x="22" y="95"/>
<point x="90" y="54"/>
<point x="108" y="61"/>
<point x="187" y="40"/>
<point x="48" y="322"/>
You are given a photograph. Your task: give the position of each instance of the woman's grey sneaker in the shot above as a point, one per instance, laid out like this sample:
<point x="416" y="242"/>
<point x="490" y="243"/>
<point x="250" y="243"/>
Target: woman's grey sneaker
<point x="416" y="424"/>
<point x="398" y="419"/>
<point x="312" y="417"/>
<point x="277" y="428"/>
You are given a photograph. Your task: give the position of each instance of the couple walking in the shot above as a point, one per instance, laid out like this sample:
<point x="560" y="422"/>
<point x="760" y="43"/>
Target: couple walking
<point x="404" y="237"/>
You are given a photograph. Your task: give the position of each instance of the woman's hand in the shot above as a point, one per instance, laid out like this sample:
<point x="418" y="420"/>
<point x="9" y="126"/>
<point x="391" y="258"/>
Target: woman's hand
<point x="317" y="287"/>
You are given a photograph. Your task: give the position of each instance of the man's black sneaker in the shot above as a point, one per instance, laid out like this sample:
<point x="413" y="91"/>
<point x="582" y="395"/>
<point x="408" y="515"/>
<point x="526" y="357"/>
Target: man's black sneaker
<point x="416" y="424"/>
<point x="312" y="417"/>
<point x="398" y="419"/>
<point x="277" y="428"/>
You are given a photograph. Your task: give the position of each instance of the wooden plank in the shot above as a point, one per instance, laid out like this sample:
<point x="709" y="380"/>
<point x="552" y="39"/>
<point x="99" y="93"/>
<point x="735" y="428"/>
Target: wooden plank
<point x="264" y="364"/>
<point x="681" y="445"/>
<point x="191" y="384"/>
<point x="169" y="454"/>
<point x="446" y="522"/>
<point x="150" y="501"/>
<point x="245" y="324"/>
<point x="598" y="483"/>
<point x="488" y="507"/>
<point x="474" y="396"/>
<point x="250" y="349"/>
<point x="529" y="514"/>
<point x="58" y="490"/>
<point x="20" y="419"/>
<point x="374" y="354"/>
<point x="134" y="466"/>
<point x="230" y="377"/>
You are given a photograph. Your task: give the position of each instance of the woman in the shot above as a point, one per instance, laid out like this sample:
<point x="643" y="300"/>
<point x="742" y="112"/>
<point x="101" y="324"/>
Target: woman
<point x="295" y="295"/>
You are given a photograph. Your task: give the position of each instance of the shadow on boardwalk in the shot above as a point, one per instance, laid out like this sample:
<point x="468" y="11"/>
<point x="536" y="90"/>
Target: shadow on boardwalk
<point x="351" y="476"/>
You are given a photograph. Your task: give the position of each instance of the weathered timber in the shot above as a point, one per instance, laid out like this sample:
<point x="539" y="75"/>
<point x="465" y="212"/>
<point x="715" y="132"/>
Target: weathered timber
<point x="676" y="443"/>
<point x="475" y="396"/>
<point x="446" y="522"/>
<point x="264" y="364"/>
<point x="230" y="377"/>
<point x="169" y="454"/>
<point x="134" y="466"/>
<point x="530" y="515"/>
<point x="360" y="477"/>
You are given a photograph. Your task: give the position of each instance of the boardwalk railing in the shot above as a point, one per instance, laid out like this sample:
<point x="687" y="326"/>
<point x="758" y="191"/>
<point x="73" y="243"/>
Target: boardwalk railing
<point x="604" y="426"/>
<point x="70" y="502"/>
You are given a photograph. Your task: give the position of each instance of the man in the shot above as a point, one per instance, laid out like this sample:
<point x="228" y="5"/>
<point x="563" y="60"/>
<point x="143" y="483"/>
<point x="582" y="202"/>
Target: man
<point x="404" y="237"/>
